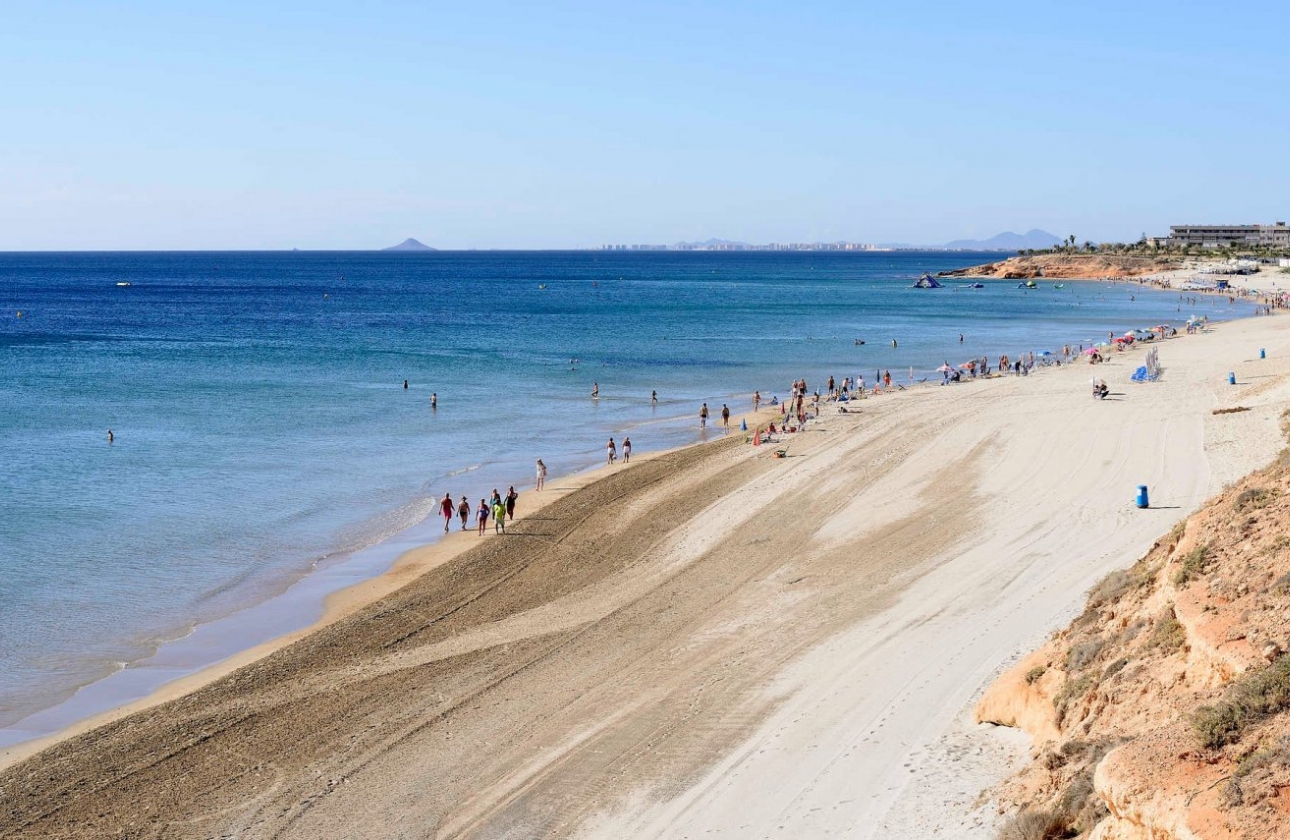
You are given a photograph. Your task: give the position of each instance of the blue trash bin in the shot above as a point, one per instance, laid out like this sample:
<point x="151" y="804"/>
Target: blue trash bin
<point x="1142" y="501"/>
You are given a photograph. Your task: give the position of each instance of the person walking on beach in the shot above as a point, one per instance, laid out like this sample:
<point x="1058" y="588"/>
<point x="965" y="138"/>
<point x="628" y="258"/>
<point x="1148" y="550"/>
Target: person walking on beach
<point x="541" y="474"/>
<point x="627" y="449"/>
<point x="511" y="498"/>
<point x="446" y="507"/>
<point x="703" y="416"/>
<point x="611" y="453"/>
<point x="463" y="512"/>
<point x="756" y="400"/>
<point x="499" y="516"/>
<point x="725" y="416"/>
<point x="482" y="515"/>
<point x="886" y="380"/>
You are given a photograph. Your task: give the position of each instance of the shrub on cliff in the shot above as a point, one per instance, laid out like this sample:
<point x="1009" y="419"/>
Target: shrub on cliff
<point x="1251" y="699"/>
<point x="1195" y="564"/>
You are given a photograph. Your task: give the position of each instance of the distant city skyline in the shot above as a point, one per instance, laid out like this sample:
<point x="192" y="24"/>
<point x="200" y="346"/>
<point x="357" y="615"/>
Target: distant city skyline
<point x="496" y="126"/>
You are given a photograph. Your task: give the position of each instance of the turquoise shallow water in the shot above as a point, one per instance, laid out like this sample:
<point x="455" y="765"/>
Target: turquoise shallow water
<point x="262" y="429"/>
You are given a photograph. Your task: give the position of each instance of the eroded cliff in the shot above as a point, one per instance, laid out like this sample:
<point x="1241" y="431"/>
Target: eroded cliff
<point x="1163" y="711"/>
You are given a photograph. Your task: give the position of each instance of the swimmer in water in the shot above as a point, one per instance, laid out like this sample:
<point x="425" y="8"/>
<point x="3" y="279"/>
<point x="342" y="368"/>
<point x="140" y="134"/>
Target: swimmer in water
<point x="111" y="437"/>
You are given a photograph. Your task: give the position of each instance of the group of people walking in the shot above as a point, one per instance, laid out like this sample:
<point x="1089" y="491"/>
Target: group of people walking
<point x="611" y="451"/>
<point x="498" y="508"/>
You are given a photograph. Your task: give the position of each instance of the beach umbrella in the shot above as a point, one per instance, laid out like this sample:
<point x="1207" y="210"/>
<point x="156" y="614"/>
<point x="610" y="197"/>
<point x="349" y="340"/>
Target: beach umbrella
<point x="1090" y="351"/>
<point x="966" y="365"/>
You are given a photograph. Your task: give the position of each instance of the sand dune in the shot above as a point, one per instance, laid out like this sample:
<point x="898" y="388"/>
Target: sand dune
<point x="714" y="642"/>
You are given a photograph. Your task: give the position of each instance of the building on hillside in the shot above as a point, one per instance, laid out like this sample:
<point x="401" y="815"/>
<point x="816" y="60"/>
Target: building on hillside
<point x="1226" y="236"/>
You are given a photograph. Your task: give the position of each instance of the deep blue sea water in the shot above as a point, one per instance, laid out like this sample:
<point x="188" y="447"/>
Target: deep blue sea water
<point x="262" y="428"/>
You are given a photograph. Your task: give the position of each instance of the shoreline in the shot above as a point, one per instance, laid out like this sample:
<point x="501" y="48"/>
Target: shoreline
<point x="404" y="561"/>
<point x="338" y="601"/>
<point x="410" y="568"/>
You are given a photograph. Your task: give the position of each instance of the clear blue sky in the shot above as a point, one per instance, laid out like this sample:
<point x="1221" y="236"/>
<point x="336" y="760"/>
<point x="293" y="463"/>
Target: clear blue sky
<point x="477" y="124"/>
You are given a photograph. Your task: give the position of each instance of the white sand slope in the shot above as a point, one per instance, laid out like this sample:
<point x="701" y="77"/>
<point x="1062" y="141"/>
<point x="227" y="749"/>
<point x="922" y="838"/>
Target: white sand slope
<point x="871" y="735"/>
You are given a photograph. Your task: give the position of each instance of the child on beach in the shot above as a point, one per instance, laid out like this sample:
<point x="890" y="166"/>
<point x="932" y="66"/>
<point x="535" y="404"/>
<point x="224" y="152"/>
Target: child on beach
<point x="499" y="516"/>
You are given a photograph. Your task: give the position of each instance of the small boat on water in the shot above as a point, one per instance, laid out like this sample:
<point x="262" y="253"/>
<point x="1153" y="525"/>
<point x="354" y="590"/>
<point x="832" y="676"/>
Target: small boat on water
<point x="124" y="283"/>
<point x="1029" y="284"/>
<point x="1059" y="285"/>
<point x="927" y="281"/>
<point x="973" y="286"/>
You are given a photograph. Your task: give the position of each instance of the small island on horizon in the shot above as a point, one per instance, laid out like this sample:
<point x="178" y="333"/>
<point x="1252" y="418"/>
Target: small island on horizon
<point x="410" y="244"/>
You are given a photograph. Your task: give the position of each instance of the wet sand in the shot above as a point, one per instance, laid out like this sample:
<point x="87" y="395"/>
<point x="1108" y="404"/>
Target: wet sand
<point x="710" y="642"/>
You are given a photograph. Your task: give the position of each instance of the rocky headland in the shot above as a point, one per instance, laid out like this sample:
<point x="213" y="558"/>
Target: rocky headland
<point x="1067" y="267"/>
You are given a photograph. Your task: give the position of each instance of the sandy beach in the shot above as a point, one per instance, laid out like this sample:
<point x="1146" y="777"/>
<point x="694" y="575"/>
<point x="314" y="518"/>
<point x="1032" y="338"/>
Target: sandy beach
<point x="711" y="642"/>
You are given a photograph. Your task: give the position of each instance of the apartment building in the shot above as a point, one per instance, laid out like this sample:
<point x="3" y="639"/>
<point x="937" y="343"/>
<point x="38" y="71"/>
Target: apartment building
<point x="1222" y="236"/>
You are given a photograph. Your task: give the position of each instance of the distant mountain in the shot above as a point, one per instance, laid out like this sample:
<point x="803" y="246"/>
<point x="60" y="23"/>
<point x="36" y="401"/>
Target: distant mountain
<point x="1006" y="242"/>
<point x="409" y="245"/>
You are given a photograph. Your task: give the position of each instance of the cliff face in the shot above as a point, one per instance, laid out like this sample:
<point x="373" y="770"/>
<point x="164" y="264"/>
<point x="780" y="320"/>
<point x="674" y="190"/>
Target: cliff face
<point x="1067" y="267"/>
<point x="1163" y="711"/>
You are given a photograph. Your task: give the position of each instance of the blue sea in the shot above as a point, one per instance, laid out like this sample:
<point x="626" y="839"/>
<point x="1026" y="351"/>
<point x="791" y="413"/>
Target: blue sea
<point x="265" y="443"/>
